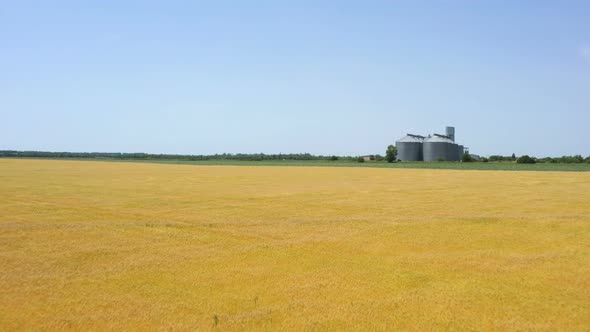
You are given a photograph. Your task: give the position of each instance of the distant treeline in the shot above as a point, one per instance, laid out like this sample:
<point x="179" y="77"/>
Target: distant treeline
<point x="148" y="156"/>
<point x="565" y="159"/>
<point x="576" y="159"/>
<point x="502" y="158"/>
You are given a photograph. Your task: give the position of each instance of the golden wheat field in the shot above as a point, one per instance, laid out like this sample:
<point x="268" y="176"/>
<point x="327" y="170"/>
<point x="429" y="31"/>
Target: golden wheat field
<point x="100" y="245"/>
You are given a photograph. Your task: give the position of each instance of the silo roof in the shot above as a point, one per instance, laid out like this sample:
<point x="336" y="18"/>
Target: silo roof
<point x="438" y="138"/>
<point x="409" y="138"/>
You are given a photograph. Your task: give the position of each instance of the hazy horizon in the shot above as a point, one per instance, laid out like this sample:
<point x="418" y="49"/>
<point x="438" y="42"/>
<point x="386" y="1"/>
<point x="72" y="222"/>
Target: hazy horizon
<point x="329" y="78"/>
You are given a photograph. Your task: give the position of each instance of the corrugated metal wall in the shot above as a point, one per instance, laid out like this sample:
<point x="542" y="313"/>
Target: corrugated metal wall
<point x="409" y="151"/>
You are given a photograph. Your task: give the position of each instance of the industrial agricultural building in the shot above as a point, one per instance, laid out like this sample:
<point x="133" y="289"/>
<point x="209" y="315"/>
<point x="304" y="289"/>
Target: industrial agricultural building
<point x="432" y="148"/>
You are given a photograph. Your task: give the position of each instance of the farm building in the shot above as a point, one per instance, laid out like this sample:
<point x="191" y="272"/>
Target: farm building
<point x="369" y="158"/>
<point x="432" y="148"/>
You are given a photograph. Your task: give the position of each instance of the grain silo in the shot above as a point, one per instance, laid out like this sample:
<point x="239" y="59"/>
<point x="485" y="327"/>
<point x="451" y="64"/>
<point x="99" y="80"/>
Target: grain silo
<point x="439" y="147"/>
<point x="434" y="148"/>
<point x="455" y="152"/>
<point x="409" y="147"/>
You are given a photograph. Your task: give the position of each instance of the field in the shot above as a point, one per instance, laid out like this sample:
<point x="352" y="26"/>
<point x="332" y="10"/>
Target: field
<point x="102" y="245"/>
<point x="490" y="166"/>
<point x="494" y="166"/>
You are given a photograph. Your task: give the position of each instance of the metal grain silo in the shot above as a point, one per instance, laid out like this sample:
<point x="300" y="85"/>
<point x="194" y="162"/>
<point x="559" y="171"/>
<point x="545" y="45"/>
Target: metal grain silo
<point x="409" y="148"/>
<point x="460" y="151"/>
<point x="452" y="152"/>
<point x="439" y="146"/>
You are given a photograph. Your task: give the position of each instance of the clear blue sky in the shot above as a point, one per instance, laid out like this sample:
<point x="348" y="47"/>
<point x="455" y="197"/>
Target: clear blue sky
<point x="325" y="77"/>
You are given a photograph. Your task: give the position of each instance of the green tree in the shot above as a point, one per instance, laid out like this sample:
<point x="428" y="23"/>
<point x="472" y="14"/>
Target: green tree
<point x="525" y="160"/>
<point x="513" y="157"/>
<point x="391" y="153"/>
<point x="466" y="157"/>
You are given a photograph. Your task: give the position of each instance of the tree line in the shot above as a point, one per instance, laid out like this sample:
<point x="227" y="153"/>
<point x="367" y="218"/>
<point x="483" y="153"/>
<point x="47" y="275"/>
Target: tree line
<point x="525" y="159"/>
<point x="149" y="156"/>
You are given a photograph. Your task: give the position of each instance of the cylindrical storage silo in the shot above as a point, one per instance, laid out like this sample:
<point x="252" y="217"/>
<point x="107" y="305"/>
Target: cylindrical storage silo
<point x="438" y="147"/>
<point x="409" y="148"/>
<point x="452" y="152"/>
